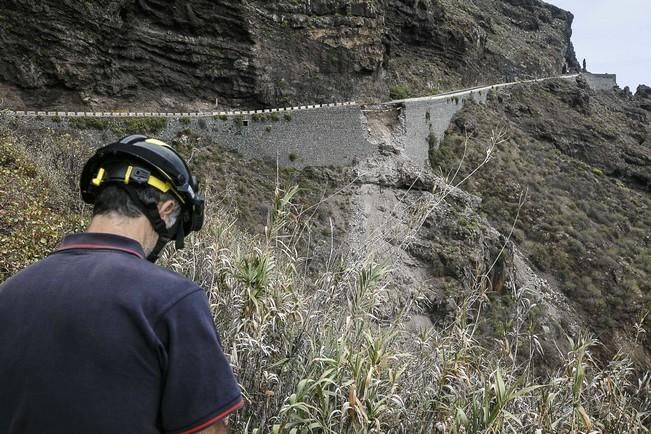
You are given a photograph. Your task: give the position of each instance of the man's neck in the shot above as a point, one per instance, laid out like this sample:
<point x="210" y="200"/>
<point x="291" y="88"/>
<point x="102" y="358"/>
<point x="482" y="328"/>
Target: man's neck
<point x="137" y="228"/>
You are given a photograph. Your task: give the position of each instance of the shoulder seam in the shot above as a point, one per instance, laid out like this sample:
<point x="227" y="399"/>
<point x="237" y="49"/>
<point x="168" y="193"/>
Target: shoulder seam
<point x="169" y="307"/>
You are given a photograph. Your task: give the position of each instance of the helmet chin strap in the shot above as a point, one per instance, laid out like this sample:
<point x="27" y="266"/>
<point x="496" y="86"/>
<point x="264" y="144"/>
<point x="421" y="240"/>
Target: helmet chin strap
<point x="164" y="234"/>
<point x="175" y="232"/>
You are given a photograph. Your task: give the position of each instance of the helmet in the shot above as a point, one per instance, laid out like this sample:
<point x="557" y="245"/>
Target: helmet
<point x="139" y="160"/>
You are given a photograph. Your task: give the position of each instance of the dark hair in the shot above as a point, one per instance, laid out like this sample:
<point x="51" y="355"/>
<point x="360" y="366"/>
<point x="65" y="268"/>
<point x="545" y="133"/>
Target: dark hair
<point x="112" y="198"/>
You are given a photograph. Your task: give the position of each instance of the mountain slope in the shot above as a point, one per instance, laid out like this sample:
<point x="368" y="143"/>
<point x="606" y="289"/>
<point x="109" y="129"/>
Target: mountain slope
<point x="151" y="54"/>
<point x="583" y="158"/>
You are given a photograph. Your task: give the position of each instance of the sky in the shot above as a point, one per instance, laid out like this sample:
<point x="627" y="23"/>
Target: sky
<point x="614" y="36"/>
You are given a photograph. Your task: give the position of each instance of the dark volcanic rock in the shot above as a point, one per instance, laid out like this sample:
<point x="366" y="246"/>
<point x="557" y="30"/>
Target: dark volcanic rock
<point x="643" y="94"/>
<point x="441" y="43"/>
<point x="127" y="49"/>
<point x="152" y="54"/>
<point x="643" y="91"/>
<point x="326" y="51"/>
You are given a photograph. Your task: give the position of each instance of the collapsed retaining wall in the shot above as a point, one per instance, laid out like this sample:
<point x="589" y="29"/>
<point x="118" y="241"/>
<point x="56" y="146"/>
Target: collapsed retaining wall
<point x="322" y="135"/>
<point x="425" y="118"/>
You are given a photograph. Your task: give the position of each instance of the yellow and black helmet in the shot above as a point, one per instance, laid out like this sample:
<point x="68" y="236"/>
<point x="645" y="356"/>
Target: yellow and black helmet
<point x="143" y="161"/>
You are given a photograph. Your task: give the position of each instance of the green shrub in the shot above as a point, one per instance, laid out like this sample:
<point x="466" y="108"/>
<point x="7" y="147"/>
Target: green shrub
<point x="287" y="117"/>
<point x="89" y="123"/>
<point x="147" y="125"/>
<point x="432" y="140"/>
<point x="185" y="120"/>
<point x="445" y="157"/>
<point x="32" y="227"/>
<point x="399" y="91"/>
<point x="264" y="117"/>
<point x="139" y="125"/>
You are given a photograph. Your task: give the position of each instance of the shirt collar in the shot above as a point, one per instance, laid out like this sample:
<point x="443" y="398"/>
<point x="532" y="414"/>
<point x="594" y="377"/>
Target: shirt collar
<point x="101" y="241"/>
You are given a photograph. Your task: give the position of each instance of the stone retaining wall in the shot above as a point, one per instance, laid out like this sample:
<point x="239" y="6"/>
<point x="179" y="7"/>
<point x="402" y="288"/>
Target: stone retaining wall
<point x="600" y="81"/>
<point x="314" y="135"/>
<point x="431" y="117"/>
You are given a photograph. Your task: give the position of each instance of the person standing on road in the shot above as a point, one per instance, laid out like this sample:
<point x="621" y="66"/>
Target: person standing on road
<point x="97" y="339"/>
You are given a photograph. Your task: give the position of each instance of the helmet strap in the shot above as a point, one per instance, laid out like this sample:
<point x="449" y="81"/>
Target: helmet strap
<point x="180" y="233"/>
<point x="155" y="253"/>
<point x="151" y="212"/>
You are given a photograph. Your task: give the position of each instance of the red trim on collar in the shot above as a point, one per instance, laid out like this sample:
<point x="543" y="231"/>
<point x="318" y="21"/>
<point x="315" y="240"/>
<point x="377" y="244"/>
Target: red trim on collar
<point x="100" y="246"/>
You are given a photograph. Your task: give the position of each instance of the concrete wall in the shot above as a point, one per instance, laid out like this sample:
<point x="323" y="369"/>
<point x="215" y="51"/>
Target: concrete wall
<point x="319" y="136"/>
<point x="423" y="117"/>
<point x="600" y="81"/>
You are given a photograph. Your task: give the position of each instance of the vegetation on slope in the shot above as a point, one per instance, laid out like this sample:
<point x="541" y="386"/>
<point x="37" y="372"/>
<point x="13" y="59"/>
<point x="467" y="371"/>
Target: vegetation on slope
<point x="120" y="127"/>
<point x="313" y="356"/>
<point x="38" y="205"/>
<point x="245" y="186"/>
<point x="584" y="222"/>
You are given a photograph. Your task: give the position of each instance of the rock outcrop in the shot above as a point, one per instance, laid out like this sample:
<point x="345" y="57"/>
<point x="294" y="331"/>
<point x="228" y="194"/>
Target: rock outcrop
<point x="643" y="95"/>
<point x="155" y="54"/>
<point x="442" y="43"/>
<point x="58" y="53"/>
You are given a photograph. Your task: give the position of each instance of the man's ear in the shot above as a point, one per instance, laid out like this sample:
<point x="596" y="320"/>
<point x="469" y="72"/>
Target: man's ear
<point x="165" y="208"/>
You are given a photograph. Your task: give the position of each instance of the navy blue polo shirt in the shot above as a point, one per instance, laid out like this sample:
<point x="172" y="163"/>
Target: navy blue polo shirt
<point x="95" y="339"/>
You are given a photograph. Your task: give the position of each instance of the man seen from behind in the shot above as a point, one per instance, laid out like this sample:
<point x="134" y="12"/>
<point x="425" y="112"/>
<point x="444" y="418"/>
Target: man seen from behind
<point x="97" y="339"/>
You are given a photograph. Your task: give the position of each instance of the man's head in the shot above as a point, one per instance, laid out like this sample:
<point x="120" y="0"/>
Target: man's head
<point x="113" y="201"/>
<point x="142" y="179"/>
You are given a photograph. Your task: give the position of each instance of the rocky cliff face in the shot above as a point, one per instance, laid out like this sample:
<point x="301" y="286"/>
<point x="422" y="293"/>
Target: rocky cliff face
<point x="319" y="51"/>
<point x="157" y="54"/>
<point x="64" y="52"/>
<point x="442" y="43"/>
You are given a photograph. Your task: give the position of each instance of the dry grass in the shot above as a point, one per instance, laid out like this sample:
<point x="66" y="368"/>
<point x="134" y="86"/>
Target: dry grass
<point x="313" y="355"/>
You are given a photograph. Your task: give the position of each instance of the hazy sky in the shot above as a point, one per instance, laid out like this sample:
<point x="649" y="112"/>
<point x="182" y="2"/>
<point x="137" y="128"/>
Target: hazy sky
<point x="614" y="36"/>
